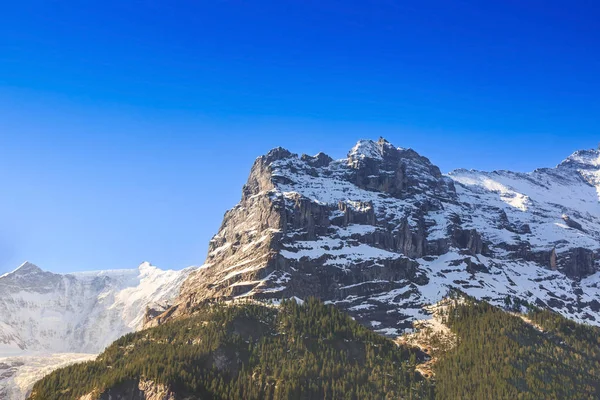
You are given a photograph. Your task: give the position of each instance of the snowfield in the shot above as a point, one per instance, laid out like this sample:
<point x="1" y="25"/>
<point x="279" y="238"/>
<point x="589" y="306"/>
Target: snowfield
<point x="49" y="320"/>
<point x="19" y="373"/>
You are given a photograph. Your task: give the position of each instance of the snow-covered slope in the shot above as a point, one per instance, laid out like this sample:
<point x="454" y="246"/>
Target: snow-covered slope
<point x="19" y="373"/>
<point x="559" y="205"/>
<point x="383" y="233"/>
<point x="49" y="320"/>
<point x="80" y="312"/>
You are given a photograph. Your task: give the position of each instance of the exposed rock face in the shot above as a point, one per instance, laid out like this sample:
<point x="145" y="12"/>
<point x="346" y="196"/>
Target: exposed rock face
<point x="578" y="262"/>
<point x="572" y="223"/>
<point x="468" y="239"/>
<point x="134" y="390"/>
<point x="383" y="232"/>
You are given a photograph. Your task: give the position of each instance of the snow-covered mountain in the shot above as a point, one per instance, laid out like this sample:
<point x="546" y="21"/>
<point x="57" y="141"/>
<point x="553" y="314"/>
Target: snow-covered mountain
<point x="50" y="320"/>
<point x="80" y="312"/>
<point x="382" y="233"/>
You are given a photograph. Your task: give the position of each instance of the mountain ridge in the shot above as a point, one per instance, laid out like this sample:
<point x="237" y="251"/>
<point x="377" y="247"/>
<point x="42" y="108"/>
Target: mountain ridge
<point x="385" y="233"/>
<point x="24" y="267"/>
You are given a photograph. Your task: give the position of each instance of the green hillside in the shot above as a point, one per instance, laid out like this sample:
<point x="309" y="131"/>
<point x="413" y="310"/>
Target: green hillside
<point x="500" y="356"/>
<point x="311" y="351"/>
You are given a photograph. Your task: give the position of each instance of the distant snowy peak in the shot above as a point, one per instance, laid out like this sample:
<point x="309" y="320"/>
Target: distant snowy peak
<point x="27" y="267"/>
<point x="586" y="159"/>
<point x="146" y="267"/>
<point x="24" y="269"/>
<point x="42" y="311"/>
<point x="586" y="163"/>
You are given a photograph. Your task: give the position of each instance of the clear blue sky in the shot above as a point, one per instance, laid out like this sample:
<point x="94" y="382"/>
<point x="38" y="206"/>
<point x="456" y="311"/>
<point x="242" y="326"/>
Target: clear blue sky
<point x="127" y="128"/>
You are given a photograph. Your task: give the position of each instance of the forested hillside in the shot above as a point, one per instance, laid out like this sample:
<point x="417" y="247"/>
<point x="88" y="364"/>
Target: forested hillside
<point x="502" y="356"/>
<point x="313" y="351"/>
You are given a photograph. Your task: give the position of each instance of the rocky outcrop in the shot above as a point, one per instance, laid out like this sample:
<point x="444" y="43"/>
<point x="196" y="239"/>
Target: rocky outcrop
<point x="355" y="212"/>
<point x="134" y="390"/>
<point x="578" y="262"/>
<point x="468" y="239"/>
<point x="306" y="217"/>
<point x="318" y="161"/>
<point x="571" y="223"/>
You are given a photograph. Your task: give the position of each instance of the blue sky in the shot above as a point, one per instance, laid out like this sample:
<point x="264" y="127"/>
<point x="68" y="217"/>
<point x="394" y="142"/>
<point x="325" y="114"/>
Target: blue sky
<point x="128" y="128"/>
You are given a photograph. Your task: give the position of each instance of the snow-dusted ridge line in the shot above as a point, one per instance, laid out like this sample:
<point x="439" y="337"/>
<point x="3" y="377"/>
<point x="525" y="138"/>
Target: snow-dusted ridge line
<point x="20" y="267"/>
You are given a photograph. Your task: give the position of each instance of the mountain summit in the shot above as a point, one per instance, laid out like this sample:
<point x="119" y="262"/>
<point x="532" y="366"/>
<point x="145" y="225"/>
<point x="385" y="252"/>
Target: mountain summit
<point x="24" y="269"/>
<point x="383" y="233"/>
<point x="583" y="159"/>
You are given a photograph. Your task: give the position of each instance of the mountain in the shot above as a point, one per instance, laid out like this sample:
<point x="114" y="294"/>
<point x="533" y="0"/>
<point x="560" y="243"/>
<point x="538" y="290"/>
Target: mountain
<point x="48" y="320"/>
<point x="80" y="312"/>
<point x="384" y="236"/>
<point x="383" y="233"/>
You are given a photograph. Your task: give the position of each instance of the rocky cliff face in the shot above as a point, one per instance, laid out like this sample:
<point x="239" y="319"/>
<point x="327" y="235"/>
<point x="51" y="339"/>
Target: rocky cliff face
<point x="135" y="390"/>
<point x="383" y="232"/>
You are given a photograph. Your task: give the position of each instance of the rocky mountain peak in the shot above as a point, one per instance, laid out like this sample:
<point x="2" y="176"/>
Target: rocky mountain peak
<point x="278" y="153"/>
<point x="585" y="159"/>
<point x="24" y="269"/>
<point x="375" y="150"/>
<point x="584" y="165"/>
<point x="318" y="161"/>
